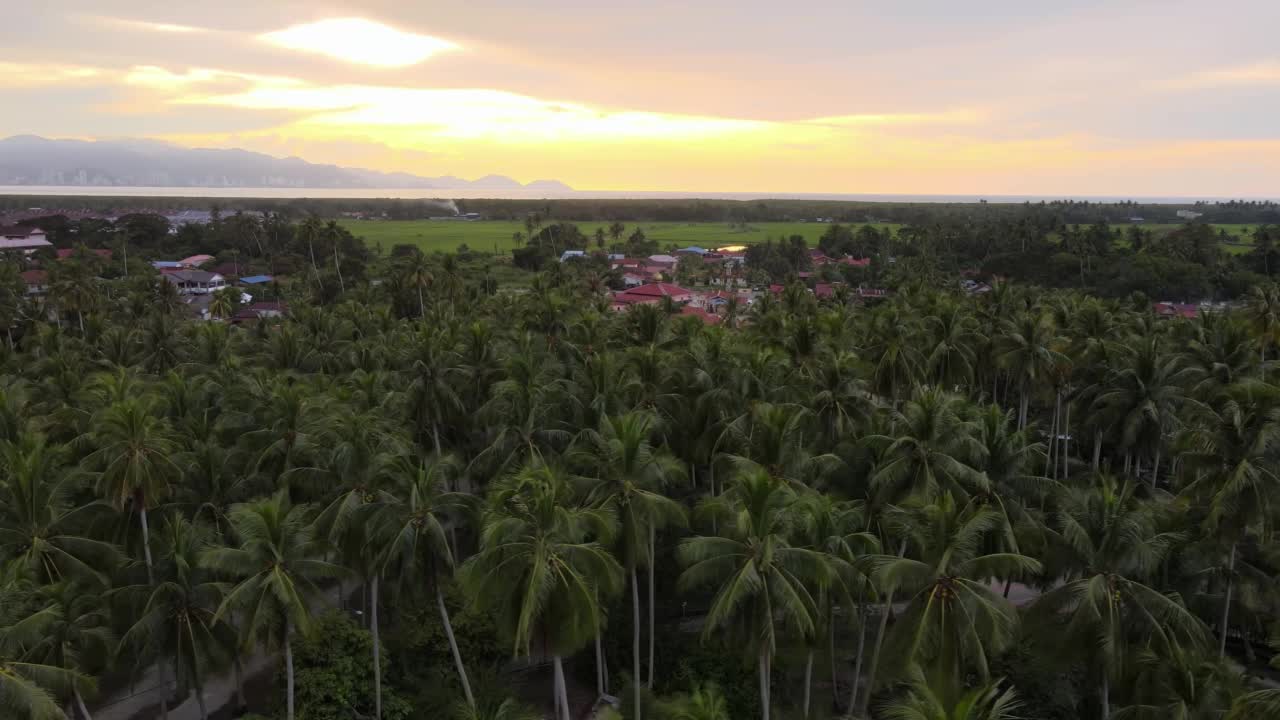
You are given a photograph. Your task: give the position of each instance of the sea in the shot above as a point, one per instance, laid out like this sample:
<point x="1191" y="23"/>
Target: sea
<point x="521" y="194"/>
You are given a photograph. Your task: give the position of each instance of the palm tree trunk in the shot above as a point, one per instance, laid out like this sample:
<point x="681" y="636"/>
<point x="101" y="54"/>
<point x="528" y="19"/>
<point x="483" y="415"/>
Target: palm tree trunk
<point x="1066" y="440"/>
<point x="875" y="652"/>
<point x="204" y="710"/>
<point x="1026" y="403"/>
<point x="635" y="637"/>
<point x="84" y="711"/>
<point x="1106" y="697"/>
<point x="831" y="651"/>
<point x="562" y="694"/>
<point x="422" y="306"/>
<point x="764" y="682"/>
<point x="1226" y="604"/>
<point x="80" y="317"/>
<point x="288" y="669"/>
<point x="1097" y="450"/>
<point x="241" y="703"/>
<point x="338" y="268"/>
<point x="857" y="663"/>
<point x="1051" y="468"/>
<point x="377" y="650"/>
<point x="453" y="647"/>
<point x="808" y="681"/>
<point x="653" y="630"/>
<point x="140" y="500"/>
<point x="600" y="671"/>
<point x="1155" y="469"/>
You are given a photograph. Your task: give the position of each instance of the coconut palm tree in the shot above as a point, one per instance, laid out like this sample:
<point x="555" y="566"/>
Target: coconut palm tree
<point x="134" y="459"/>
<point x="42" y="529"/>
<point x="703" y="702"/>
<point x="954" y="623"/>
<point x="74" y="635"/>
<point x="625" y="475"/>
<point x="275" y="566"/>
<point x="410" y="538"/>
<point x="1110" y="547"/>
<point x="1232" y="471"/>
<point x="1142" y="399"/>
<point x="927" y="452"/>
<point x="991" y="701"/>
<point x="1028" y="348"/>
<point x="542" y="568"/>
<point x="759" y="578"/>
<point x="177" y="618"/>
<point x="29" y="689"/>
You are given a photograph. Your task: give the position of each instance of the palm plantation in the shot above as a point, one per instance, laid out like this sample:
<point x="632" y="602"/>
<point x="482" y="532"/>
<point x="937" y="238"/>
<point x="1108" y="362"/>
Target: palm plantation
<point x="926" y="506"/>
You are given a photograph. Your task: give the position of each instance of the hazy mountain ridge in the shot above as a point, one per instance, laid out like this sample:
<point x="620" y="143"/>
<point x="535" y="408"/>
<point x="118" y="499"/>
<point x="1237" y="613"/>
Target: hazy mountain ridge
<point x="33" y="160"/>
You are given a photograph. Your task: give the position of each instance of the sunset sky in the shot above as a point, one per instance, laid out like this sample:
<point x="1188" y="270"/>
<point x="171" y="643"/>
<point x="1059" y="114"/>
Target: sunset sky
<point x="1085" y="97"/>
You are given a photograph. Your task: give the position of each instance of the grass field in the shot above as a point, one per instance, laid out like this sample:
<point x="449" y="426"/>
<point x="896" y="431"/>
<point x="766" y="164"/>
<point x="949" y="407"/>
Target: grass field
<point x="496" y="235"/>
<point x="490" y="235"/>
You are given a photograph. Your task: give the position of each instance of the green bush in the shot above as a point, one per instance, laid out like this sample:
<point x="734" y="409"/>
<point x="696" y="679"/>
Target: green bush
<point x="333" y="674"/>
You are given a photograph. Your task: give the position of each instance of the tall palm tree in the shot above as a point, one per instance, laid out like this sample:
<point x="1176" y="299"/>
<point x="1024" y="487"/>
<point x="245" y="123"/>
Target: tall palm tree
<point x="1141" y="400"/>
<point x="275" y="565"/>
<point x="29" y="689"/>
<point x="177" y="618"/>
<point x="134" y="457"/>
<point x="74" y="635"/>
<point x="1231" y="463"/>
<point x="1263" y="311"/>
<point x="953" y="623"/>
<point x="1104" y="611"/>
<point x="410" y="536"/>
<point x="927" y="452"/>
<point x="759" y="577"/>
<point x="626" y="475"/>
<point x="1028" y="348"/>
<point x="991" y="701"/>
<point x="42" y="529"/>
<point x="541" y="568"/>
<point x="416" y="270"/>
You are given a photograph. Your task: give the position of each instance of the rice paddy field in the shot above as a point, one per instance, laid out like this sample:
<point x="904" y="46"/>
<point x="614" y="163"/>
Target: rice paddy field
<point x="496" y="236"/>
<point x="493" y="235"/>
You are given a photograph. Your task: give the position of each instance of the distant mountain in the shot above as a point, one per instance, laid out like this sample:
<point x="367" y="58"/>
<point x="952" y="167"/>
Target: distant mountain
<point x="33" y="160"/>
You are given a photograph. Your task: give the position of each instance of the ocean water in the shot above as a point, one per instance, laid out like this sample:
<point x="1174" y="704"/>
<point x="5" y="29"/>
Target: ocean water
<point x="461" y="194"/>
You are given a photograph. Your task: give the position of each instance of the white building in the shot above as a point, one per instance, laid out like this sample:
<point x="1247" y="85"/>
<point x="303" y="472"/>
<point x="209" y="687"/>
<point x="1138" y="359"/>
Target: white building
<point x="21" y="239"/>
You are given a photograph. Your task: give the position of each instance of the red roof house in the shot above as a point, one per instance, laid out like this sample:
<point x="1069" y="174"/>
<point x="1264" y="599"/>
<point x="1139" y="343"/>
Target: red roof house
<point x="1172" y="310"/>
<point x="701" y="314"/>
<point x="654" y="292"/>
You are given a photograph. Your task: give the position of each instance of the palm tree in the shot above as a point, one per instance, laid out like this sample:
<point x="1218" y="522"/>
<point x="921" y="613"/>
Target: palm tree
<point x="1028" y="348"/>
<point x="28" y="688"/>
<point x="990" y="701"/>
<point x="134" y="455"/>
<point x="223" y="303"/>
<point x="541" y="568"/>
<point x="275" y="568"/>
<point x="416" y="270"/>
<point x="410" y="536"/>
<point x="953" y="623"/>
<point x="42" y="529"/>
<point x="927" y="452"/>
<point x="626" y="476"/>
<point x="760" y="579"/>
<point x="178" y="619"/>
<point x="1231" y="463"/>
<point x="1142" y="400"/>
<point x="74" y="635"/>
<point x="1104" y="611"/>
<point x="1263" y="311"/>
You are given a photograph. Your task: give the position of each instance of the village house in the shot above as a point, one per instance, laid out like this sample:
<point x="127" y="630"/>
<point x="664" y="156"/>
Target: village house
<point x="22" y="239"/>
<point x="196" y="282"/>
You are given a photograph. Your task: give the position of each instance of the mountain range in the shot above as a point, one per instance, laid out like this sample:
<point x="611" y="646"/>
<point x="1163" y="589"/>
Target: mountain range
<point x="33" y="160"/>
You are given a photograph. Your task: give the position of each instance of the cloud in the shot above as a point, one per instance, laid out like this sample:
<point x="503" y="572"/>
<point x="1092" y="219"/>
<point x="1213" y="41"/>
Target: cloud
<point x="150" y="26"/>
<point x="359" y="41"/>
<point x="38" y="75"/>
<point x="1266" y="72"/>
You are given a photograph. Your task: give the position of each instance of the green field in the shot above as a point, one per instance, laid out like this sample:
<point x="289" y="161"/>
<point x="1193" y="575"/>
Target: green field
<point x="491" y="235"/>
<point x="496" y="235"/>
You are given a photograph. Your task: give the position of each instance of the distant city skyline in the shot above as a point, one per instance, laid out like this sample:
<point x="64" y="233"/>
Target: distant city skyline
<point x="995" y="97"/>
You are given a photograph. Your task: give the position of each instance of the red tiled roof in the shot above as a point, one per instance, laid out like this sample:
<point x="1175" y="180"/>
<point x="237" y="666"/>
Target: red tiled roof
<point x="701" y="314"/>
<point x="658" y="290"/>
<point x="823" y="290"/>
<point x="34" y="277"/>
<point x="1184" y="310"/>
<point x="65" y="253"/>
<point x="855" y="262"/>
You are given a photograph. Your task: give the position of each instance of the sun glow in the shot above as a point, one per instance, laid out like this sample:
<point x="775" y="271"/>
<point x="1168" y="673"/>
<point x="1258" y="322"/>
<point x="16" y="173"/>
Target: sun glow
<point x="359" y="41"/>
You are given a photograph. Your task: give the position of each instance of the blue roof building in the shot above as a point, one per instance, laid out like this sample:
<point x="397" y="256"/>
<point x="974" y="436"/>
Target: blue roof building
<point x="256" y="279"/>
<point x="160" y="264"/>
<point x="693" y="249"/>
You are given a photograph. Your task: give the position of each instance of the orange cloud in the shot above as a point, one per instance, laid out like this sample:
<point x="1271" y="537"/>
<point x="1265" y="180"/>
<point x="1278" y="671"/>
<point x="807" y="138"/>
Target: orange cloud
<point x="359" y="41"/>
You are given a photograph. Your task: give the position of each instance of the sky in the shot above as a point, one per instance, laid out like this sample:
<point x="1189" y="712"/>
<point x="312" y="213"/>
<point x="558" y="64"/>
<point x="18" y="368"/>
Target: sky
<point x="1002" y="97"/>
